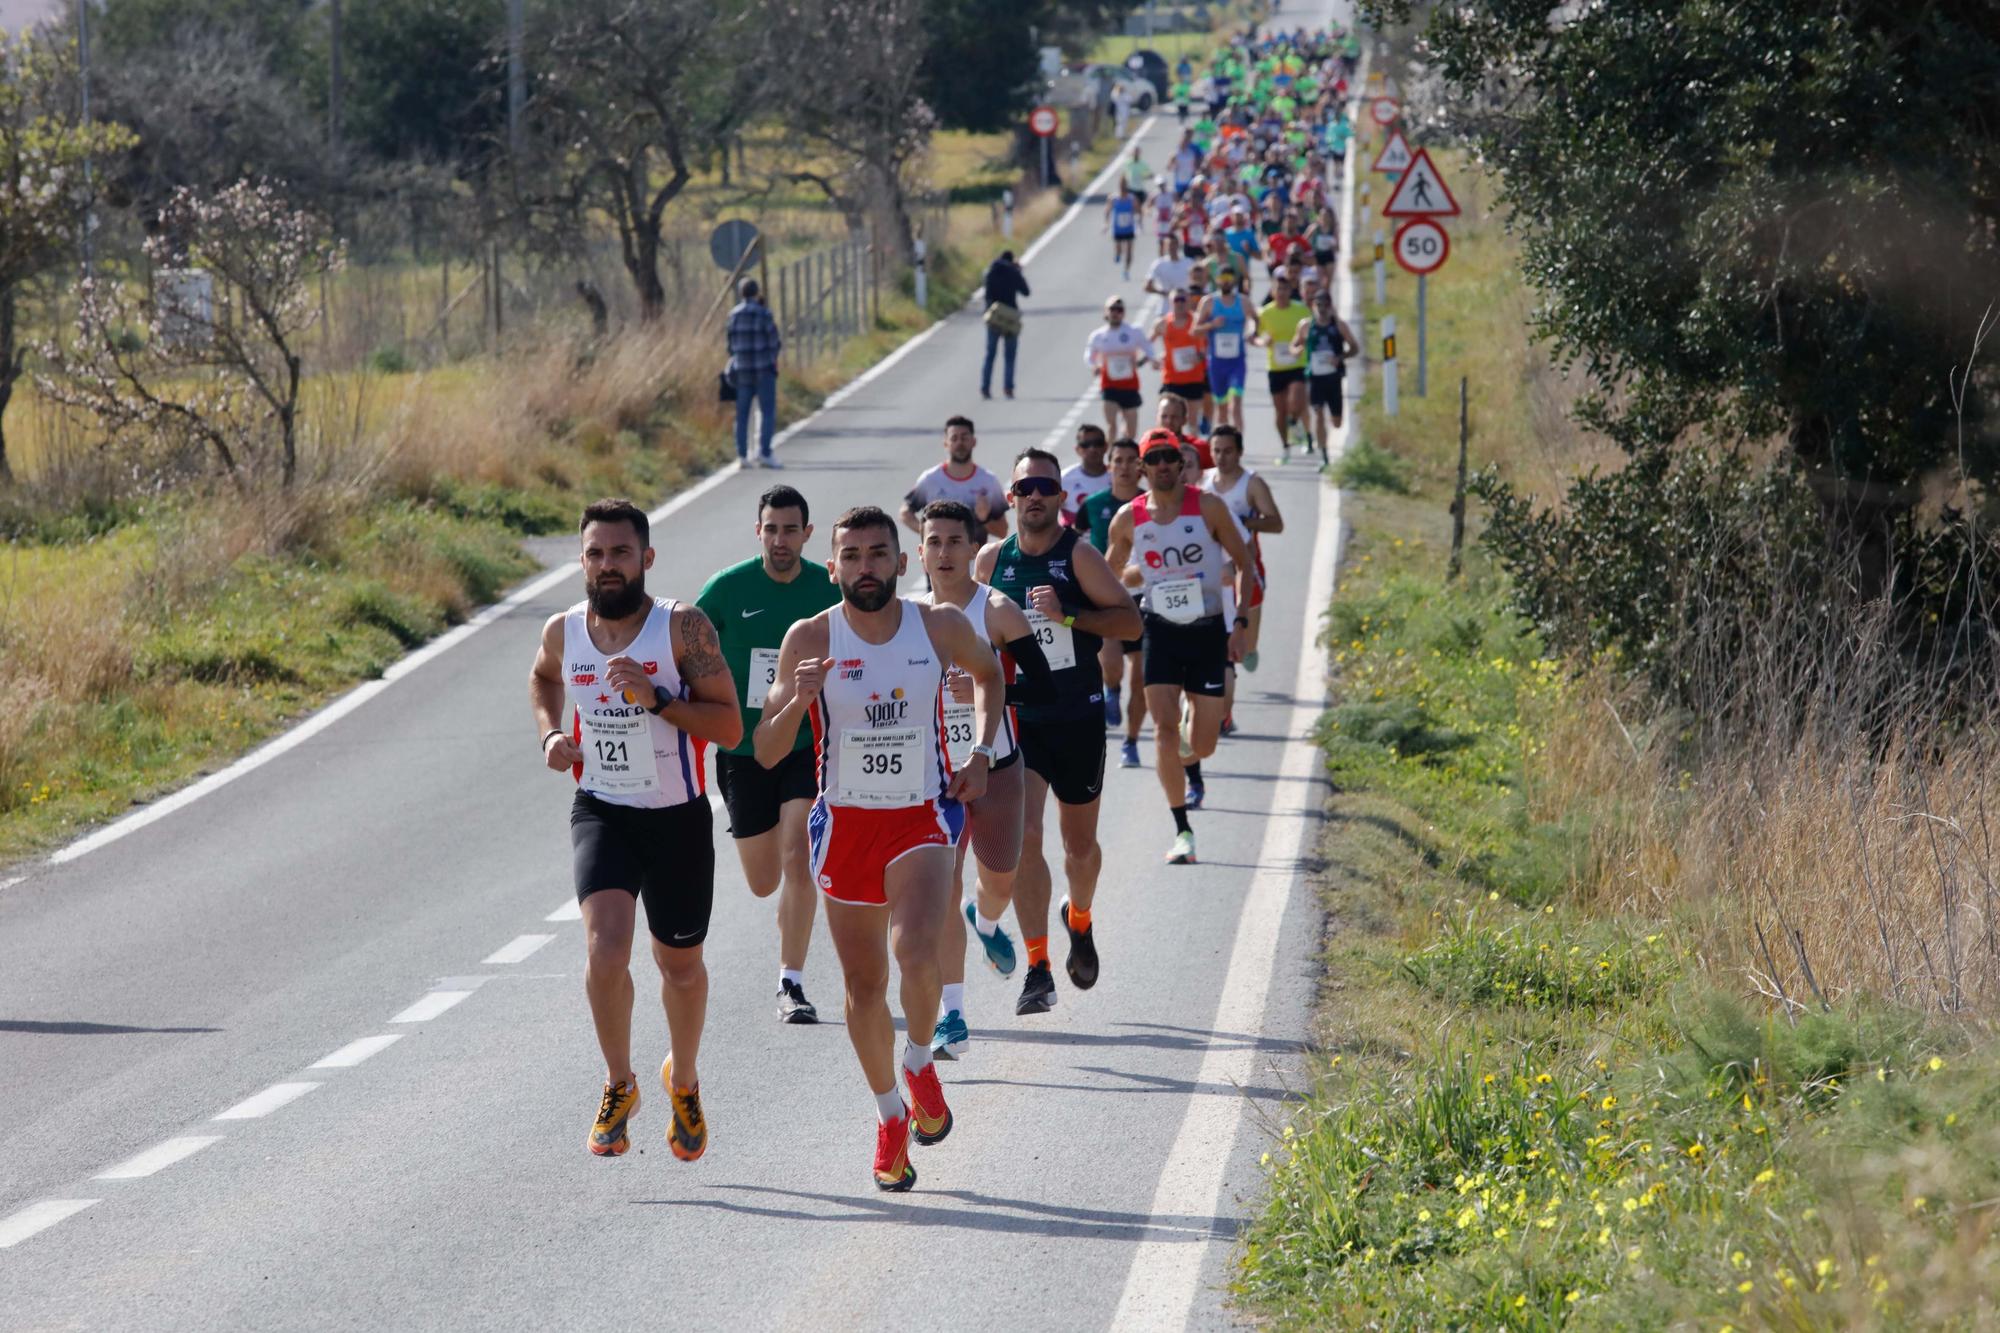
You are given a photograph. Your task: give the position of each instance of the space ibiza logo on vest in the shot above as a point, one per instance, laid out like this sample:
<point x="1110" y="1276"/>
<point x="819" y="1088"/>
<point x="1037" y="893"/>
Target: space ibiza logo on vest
<point x="887" y="712"/>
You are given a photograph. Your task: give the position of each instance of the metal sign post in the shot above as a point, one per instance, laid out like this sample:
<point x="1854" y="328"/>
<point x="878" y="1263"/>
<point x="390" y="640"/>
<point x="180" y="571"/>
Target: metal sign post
<point x="923" y="279"/>
<point x="1423" y="346"/>
<point x="1007" y="214"/>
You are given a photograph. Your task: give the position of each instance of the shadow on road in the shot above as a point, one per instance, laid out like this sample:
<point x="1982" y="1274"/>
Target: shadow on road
<point x="1016" y="1216"/>
<point x="68" y="1028"/>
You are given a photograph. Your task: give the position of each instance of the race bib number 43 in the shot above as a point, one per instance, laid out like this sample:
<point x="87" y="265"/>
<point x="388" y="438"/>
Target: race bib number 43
<point x="1058" y="644"/>
<point x="618" y="755"/>
<point x="881" y="768"/>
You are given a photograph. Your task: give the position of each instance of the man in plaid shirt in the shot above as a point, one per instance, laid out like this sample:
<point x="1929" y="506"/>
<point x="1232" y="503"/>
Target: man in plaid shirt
<point x="754" y="344"/>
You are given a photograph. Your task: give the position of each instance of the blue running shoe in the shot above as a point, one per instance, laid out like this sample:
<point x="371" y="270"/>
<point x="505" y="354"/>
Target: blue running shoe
<point x="1196" y="792"/>
<point x="999" y="945"/>
<point x="950" y="1037"/>
<point x="1128" y="757"/>
<point x="1114" y="715"/>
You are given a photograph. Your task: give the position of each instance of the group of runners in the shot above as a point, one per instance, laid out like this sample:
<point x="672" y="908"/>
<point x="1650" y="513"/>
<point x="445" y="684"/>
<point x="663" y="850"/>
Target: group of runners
<point x="872" y="738"/>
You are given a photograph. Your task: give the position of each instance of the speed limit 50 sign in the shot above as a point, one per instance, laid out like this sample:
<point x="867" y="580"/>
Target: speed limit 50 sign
<point x="1422" y="246"/>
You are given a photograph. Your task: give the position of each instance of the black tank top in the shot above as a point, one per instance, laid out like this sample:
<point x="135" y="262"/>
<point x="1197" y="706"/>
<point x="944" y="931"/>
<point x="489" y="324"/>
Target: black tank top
<point x="1079" y="688"/>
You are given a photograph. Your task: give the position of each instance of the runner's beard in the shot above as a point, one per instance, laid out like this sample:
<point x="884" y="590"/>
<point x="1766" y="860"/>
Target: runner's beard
<point x="869" y="599"/>
<point x="619" y="600"/>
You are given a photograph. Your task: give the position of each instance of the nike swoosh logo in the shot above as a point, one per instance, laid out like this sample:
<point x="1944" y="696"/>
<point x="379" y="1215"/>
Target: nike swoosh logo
<point x="1213" y="685"/>
<point x="758" y="612"/>
<point x="687" y="935"/>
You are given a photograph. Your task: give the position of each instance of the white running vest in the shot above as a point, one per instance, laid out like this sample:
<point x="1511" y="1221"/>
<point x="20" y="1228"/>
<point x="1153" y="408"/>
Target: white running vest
<point x="961" y="721"/>
<point x="1237" y="497"/>
<point x="630" y="757"/>
<point x="878" y="724"/>
<point x="1180" y="560"/>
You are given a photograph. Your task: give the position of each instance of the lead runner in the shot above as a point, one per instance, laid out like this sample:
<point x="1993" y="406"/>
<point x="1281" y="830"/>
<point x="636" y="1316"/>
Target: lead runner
<point x="885" y="829"/>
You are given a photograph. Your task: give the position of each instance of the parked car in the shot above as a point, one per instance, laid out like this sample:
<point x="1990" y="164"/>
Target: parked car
<point x="1138" y="91"/>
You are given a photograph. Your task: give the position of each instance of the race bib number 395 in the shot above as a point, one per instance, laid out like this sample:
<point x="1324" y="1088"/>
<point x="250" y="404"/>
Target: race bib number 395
<point x="881" y="768"/>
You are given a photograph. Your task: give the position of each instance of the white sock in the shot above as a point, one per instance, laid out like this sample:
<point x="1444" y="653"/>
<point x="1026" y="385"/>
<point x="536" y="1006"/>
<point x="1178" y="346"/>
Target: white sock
<point x="792" y="975"/>
<point x="954" y="996"/>
<point x="916" y="1058"/>
<point x="981" y="924"/>
<point x="889" y="1106"/>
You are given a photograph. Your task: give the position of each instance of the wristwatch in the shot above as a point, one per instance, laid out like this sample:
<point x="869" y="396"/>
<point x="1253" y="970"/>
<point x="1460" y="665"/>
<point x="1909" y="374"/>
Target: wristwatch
<point x="1242" y="622"/>
<point x="1069" y="621"/>
<point x="984" y="752"/>
<point x="660" y="702"/>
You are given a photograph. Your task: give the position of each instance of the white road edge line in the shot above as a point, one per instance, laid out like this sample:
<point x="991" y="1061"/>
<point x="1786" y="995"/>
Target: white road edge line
<point x="358" y="1050"/>
<point x="433" y="1004"/>
<point x="267" y="1101"/>
<point x="1165" y="1278"/>
<point x="571" y="910"/>
<point x="516" y="949"/>
<point x="158" y="1158"/>
<point x="38" y="1217"/>
<point x="535" y="587"/>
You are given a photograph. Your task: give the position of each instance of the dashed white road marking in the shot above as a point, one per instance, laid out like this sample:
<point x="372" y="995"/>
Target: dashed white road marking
<point x="433" y="1004"/>
<point x="516" y="949"/>
<point x="571" y="910"/>
<point x="267" y="1101"/>
<point x="358" y="1050"/>
<point x="10" y="882"/>
<point x="159" y="1158"/>
<point x="38" y="1217"/>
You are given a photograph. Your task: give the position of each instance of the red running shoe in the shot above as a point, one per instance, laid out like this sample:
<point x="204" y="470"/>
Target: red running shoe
<point x="930" y="1118"/>
<point x="894" y="1172"/>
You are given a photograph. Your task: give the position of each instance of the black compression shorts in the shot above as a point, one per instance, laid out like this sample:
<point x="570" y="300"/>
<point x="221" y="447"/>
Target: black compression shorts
<point x="753" y="793"/>
<point x="664" y="857"/>
<point x="1069" y="756"/>
<point x="1193" y="657"/>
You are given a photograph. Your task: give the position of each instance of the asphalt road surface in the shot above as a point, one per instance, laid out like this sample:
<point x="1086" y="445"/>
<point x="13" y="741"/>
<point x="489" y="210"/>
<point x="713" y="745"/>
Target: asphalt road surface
<point x="311" y="1050"/>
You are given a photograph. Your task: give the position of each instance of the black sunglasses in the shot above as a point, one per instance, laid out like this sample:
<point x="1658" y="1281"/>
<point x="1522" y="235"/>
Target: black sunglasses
<point x="1037" y="486"/>
<point x="1161" y="456"/>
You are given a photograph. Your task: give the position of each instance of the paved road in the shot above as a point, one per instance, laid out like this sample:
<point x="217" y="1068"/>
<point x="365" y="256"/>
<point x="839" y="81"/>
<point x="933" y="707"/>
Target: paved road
<point x="414" y="850"/>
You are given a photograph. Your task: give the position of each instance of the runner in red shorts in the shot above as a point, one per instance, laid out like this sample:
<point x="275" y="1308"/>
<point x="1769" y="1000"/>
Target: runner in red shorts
<point x="884" y="832"/>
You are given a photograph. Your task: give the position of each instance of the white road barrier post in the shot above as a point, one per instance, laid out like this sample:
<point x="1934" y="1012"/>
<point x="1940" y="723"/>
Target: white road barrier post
<point x="1007" y="214"/>
<point x="1390" y="399"/>
<point x="1423" y="351"/>
<point x="1381" y="272"/>
<point x="923" y="279"/>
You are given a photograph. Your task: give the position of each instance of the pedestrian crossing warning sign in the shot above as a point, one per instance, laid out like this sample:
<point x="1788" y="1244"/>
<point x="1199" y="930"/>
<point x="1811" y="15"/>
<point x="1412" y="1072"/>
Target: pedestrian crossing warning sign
<point x="1421" y="193"/>
<point x="1395" y="154"/>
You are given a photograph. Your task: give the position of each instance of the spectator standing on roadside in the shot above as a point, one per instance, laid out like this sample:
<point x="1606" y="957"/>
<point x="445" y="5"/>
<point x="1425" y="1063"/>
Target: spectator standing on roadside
<point x="754" y="344"/>
<point x="1005" y="285"/>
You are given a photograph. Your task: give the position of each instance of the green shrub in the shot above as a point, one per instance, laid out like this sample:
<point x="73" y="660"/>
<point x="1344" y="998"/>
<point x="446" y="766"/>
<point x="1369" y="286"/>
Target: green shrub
<point x="1365" y="466"/>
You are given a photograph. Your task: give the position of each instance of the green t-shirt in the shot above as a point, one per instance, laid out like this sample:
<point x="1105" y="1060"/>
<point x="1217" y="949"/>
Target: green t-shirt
<point x="752" y="610"/>
<point x="1098" y="511"/>
<point x="1279" y="326"/>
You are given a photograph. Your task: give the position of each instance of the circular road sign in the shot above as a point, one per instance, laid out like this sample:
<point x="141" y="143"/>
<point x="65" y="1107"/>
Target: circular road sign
<point x="1383" y="109"/>
<point x="1422" y="246"/>
<point x="1042" y="120"/>
<point x="730" y="242"/>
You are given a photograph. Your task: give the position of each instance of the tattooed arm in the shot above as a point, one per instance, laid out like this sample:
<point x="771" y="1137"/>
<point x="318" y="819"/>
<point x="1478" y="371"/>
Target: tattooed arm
<point x="710" y="710"/>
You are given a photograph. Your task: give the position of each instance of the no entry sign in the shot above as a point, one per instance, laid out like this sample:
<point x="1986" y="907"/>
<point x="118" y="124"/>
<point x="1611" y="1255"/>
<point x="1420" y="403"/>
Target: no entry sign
<point x="1422" y="246"/>
<point x="1042" y="120"/>
<point x="1383" y="109"/>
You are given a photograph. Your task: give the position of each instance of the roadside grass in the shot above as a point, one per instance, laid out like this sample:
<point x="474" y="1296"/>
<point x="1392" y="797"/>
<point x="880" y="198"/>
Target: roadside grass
<point x="1549" y="1096"/>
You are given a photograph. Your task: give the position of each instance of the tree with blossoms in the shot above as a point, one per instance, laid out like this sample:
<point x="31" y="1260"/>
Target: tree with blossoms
<point x="45" y="196"/>
<point x="176" y="375"/>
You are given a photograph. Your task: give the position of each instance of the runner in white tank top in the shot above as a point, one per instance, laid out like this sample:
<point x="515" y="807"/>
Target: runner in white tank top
<point x="870" y="673"/>
<point x="1255" y="509"/>
<point x="628" y="690"/>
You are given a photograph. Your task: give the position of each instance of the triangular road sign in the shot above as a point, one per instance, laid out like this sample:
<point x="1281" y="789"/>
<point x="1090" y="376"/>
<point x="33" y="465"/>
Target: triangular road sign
<point x="1421" y="193"/>
<point x="1395" y="154"/>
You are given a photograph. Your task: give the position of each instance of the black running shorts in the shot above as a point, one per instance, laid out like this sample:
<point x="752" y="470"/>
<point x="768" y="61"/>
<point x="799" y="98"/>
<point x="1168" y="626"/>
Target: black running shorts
<point x="664" y="857"/>
<point x="1193" y="390"/>
<point x="1281" y="380"/>
<point x="753" y="794"/>
<point x="1069" y="756"/>
<point x="1327" y="390"/>
<point x="1193" y="657"/>
<point x="1126" y="398"/>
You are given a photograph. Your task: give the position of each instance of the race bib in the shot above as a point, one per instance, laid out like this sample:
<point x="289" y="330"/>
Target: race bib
<point x="1186" y="358"/>
<point x="1119" y="366"/>
<point x="961" y="725"/>
<point x="1325" y="363"/>
<point x="1177" y="600"/>
<point x="1058" y="644"/>
<point x="881" y="768"/>
<point x="1228" y="346"/>
<point x="763" y="672"/>
<point x="618" y="755"/>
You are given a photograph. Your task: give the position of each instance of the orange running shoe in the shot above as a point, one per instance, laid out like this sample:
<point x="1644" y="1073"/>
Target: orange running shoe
<point x="930" y="1118"/>
<point x="894" y="1171"/>
<point x="687" y="1135"/>
<point x="608" y="1137"/>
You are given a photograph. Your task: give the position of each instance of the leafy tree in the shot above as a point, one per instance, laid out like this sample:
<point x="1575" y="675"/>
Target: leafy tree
<point x="425" y="78"/>
<point x="178" y="375"/>
<point x="44" y="197"/>
<point x="1753" y="220"/>
<point x="981" y="70"/>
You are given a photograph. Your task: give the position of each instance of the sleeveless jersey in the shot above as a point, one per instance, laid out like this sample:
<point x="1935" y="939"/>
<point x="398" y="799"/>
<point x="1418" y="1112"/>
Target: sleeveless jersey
<point x="1237" y="497"/>
<point x="961" y="721"/>
<point x="1225" y="341"/>
<point x="630" y="756"/>
<point x="1180" y="561"/>
<point x="878" y="724"/>
<point x="1124" y="214"/>
<point x="1324" y="352"/>
<point x="1185" y="363"/>
<point x="1072" y="652"/>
